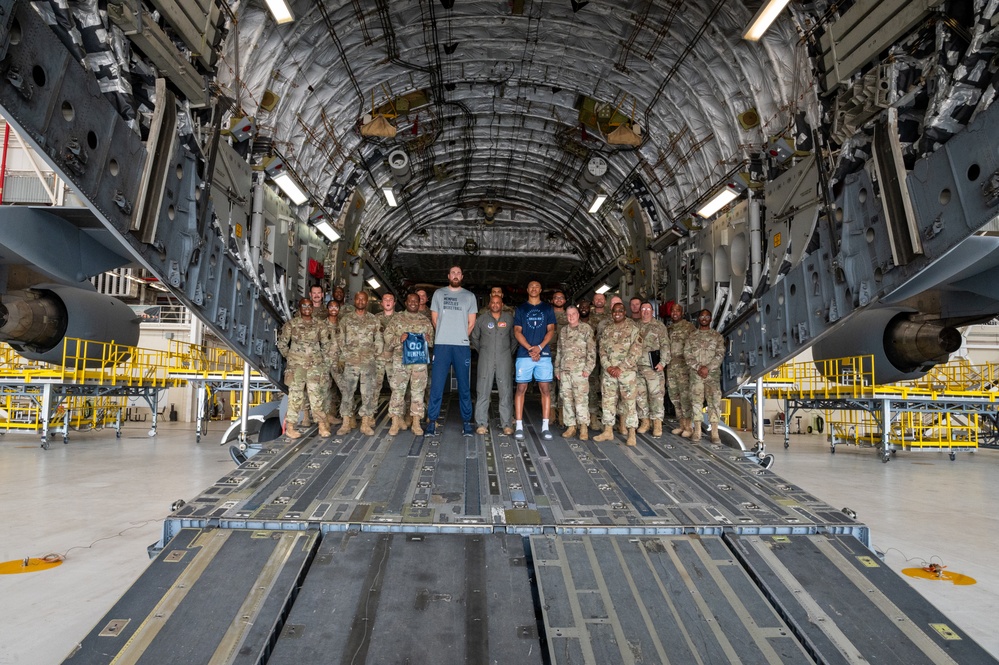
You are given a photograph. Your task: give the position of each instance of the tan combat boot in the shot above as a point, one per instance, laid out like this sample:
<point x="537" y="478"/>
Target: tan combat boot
<point x="396" y="425"/>
<point x="366" y="426"/>
<point x="403" y="423"/>
<point x="307" y="419"/>
<point x="584" y="432"/>
<point x="290" y="431"/>
<point x="688" y="427"/>
<point x="621" y="427"/>
<point x="715" y="433"/>
<point x="643" y="426"/>
<point x="695" y="432"/>
<point x="569" y="433"/>
<point x="417" y="430"/>
<point x="348" y="424"/>
<point x="324" y="429"/>
<point x="606" y="435"/>
<point x="333" y="419"/>
<point x="657" y="428"/>
<point x="679" y="426"/>
<point x="631" y="437"/>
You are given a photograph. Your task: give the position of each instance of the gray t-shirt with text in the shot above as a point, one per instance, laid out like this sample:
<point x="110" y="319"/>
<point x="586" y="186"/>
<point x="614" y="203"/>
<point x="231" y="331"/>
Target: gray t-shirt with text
<point x="453" y="308"/>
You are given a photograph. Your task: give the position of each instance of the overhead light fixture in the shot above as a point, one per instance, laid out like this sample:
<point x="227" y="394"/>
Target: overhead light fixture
<point x="717" y="202"/>
<point x="280" y="11"/>
<point x="390" y="197"/>
<point x="764" y="17"/>
<point x="597" y="202"/>
<point x="290" y="188"/>
<point x="327" y="230"/>
<point x="603" y="289"/>
<point x="373" y="283"/>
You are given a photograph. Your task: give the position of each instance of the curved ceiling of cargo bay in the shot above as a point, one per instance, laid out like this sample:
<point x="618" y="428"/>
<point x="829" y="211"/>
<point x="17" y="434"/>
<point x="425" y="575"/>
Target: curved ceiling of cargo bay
<point x="500" y="105"/>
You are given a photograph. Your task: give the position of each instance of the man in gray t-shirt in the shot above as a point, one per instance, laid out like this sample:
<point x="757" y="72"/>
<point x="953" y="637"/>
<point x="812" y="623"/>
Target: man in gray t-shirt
<point x="452" y="311"/>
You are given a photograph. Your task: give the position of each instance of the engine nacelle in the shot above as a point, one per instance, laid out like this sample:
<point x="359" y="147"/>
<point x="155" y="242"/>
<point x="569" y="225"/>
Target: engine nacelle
<point x="36" y="322"/>
<point x="902" y="348"/>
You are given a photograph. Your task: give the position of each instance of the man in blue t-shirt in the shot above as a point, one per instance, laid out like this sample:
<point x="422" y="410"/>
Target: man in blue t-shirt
<point x="534" y="328"/>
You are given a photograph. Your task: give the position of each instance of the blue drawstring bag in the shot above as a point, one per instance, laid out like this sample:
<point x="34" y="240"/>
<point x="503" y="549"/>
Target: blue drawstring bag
<point x="414" y="350"/>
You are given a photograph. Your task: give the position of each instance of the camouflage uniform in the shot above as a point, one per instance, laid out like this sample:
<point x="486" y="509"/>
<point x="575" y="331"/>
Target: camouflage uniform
<point x="705" y="348"/>
<point x="577" y="354"/>
<point x="362" y="344"/>
<point x="400" y="376"/>
<point x="383" y="362"/>
<point x="332" y="332"/>
<point x="651" y="382"/>
<point x="619" y="347"/>
<point x="561" y="321"/>
<point x="594" y="322"/>
<point x="304" y="342"/>
<point x="677" y="373"/>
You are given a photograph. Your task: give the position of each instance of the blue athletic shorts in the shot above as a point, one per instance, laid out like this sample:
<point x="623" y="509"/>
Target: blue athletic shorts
<point x="528" y="370"/>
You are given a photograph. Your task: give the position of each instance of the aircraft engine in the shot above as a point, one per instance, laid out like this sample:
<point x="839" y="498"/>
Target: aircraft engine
<point x="901" y="347"/>
<point x="37" y="321"/>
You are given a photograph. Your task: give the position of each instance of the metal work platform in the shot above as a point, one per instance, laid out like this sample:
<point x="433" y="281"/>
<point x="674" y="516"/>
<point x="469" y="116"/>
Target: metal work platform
<point x="952" y="408"/>
<point x="95" y="381"/>
<point x="452" y="549"/>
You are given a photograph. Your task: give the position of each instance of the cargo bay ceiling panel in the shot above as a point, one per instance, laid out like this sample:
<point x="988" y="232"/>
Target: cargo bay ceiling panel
<point x="491" y="119"/>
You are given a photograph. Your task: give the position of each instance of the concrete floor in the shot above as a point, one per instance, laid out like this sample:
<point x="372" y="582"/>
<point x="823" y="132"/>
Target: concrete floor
<point x="101" y="501"/>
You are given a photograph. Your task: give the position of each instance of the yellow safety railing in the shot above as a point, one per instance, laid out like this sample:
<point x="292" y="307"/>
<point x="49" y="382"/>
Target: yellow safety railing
<point x="908" y="429"/>
<point x="853" y="377"/>
<point x="206" y="362"/>
<point x="839" y="378"/>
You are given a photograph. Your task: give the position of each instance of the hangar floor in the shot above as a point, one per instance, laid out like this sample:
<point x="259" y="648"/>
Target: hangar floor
<point x="102" y="500"/>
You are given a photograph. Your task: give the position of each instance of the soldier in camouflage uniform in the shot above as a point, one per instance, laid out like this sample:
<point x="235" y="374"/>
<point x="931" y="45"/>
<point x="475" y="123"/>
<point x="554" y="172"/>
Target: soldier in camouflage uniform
<point x="302" y="342"/>
<point x="704" y="350"/>
<point x="416" y="376"/>
<point x="558" y="304"/>
<point x="383" y="363"/>
<point x="316" y="295"/>
<point x="333" y="360"/>
<point x="599" y="329"/>
<point x="651" y="380"/>
<point x="362" y="344"/>
<point x="574" y="362"/>
<point x="619" y="350"/>
<point x="597" y="314"/>
<point x="677" y="374"/>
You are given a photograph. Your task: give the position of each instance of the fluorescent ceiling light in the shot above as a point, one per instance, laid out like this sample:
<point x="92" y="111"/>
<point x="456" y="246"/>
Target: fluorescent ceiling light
<point x="721" y="199"/>
<point x="390" y="196"/>
<point x="327" y="230"/>
<point x="597" y="202"/>
<point x="373" y="283"/>
<point x="291" y="188"/>
<point x="767" y="14"/>
<point x="280" y="11"/>
<point x="604" y="289"/>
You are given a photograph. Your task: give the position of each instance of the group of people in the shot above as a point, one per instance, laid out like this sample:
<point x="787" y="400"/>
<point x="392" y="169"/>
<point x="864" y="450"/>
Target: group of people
<point x="592" y="362"/>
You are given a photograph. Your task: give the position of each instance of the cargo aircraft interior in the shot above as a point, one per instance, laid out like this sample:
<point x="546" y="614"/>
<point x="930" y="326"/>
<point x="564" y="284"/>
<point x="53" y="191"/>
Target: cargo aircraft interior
<point x="818" y="175"/>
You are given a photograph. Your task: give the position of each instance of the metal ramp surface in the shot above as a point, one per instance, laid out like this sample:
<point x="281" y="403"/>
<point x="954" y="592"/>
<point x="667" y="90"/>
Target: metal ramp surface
<point x="448" y="549"/>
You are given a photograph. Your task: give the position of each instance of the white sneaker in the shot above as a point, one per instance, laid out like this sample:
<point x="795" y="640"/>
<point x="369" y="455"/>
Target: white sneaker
<point x="546" y="435"/>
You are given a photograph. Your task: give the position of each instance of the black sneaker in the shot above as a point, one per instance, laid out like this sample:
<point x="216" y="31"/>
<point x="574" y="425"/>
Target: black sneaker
<point x="519" y="435"/>
<point x="467" y="430"/>
<point x="430" y="429"/>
